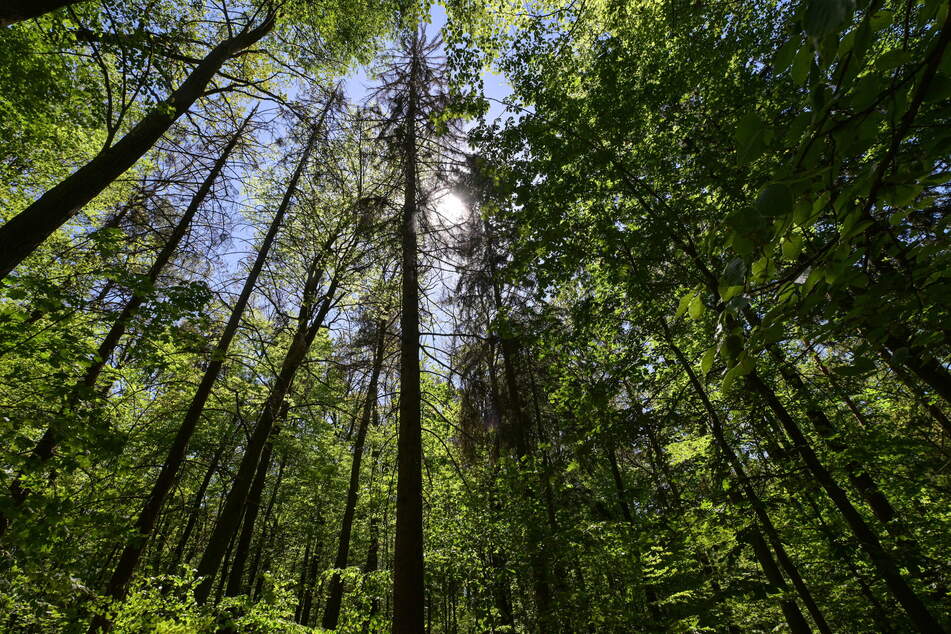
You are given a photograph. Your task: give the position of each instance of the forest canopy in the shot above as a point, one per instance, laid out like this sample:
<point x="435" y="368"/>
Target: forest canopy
<point x="556" y="316"/>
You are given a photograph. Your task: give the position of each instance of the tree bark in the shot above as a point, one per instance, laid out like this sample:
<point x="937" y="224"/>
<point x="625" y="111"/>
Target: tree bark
<point x="251" y="508"/>
<point x="408" y="581"/>
<point x="46" y="446"/>
<point x="176" y="455"/>
<point x="335" y="595"/>
<point x="200" y="496"/>
<point x="13" y="11"/>
<point x="265" y="538"/>
<point x="22" y="234"/>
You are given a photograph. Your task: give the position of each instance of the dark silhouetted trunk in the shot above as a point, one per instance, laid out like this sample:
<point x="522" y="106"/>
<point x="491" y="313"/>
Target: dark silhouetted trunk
<point x="200" y="496"/>
<point x="22" y="234"/>
<point x="307" y="328"/>
<point x="408" y="582"/>
<point x="13" y="11"/>
<point x="310" y="583"/>
<point x="176" y="455"/>
<point x="335" y="594"/>
<point x="251" y="508"/>
<point x="266" y="536"/>
<point x="302" y="583"/>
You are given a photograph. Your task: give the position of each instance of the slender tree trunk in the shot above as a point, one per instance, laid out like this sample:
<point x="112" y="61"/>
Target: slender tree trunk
<point x="13" y="11"/>
<point x="373" y="552"/>
<point x="234" y="504"/>
<point x="304" y="567"/>
<point x="335" y="595"/>
<point x="857" y="476"/>
<point x="924" y="366"/>
<point x="176" y="455"/>
<point x="251" y="508"/>
<point x="224" y="568"/>
<point x="84" y="388"/>
<point x="408" y="581"/>
<point x="311" y="581"/>
<point x="200" y="496"/>
<point x="794" y="617"/>
<point x="22" y="234"/>
<point x="265" y="538"/>
<point x="879" y="614"/>
<point x="884" y="564"/>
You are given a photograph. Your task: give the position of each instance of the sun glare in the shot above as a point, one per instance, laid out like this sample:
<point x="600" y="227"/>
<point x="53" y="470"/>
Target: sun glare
<point x="451" y="209"/>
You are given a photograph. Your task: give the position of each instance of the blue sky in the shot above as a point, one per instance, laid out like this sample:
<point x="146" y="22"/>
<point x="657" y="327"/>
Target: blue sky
<point x="495" y="87"/>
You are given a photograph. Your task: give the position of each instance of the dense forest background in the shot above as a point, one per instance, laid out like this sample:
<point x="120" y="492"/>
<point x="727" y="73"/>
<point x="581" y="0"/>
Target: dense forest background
<point x="296" y="336"/>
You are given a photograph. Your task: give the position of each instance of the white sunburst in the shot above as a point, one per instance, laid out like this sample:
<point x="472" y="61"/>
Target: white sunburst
<point x="450" y="210"/>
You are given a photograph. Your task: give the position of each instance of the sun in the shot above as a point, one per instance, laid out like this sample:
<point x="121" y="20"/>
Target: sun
<point x="450" y="209"/>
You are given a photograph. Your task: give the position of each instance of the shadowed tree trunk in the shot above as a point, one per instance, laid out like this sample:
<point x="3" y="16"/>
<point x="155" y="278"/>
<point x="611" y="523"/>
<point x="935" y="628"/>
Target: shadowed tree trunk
<point x="307" y="329"/>
<point x="176" y="455"/>
<point x="84" y="388"/>
<point x="251" y="508"/>
<point x="335" y="596"/>
<point x="22" y="234"/>
<point x="13" y="11"/>
<point x="408" y="584"/>
<point x="310" y="581"/>
<point x="266" y="535"/>
<point x="199" y="497"/>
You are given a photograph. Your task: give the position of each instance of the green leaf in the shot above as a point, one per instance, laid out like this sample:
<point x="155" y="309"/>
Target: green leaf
<point x="892" y="59"/>
<point x="760" y="269"/>
<point x="734" y="273"/>
<point x="785" y="54"/>
<point x="823" y="17"/>
<point x="688" y="449"/>
<point x="749" y="138"/>
<point x="801" y="65"/>
<point x="684" y="304"/>
<point x="792" y="247"/>
<point x="774" y="200"/>
<point x="706" y="362"/>
<point x="696" y="308"/>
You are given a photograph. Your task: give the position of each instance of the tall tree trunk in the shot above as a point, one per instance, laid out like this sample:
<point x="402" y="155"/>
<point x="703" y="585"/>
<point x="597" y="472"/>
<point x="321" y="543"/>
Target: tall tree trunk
<point x="224" y="568"/>
<point x="307" y="329"/>
<point x="302" y="583"/>
<point x="884" y="564"/>
<point x="46" y="446"/>
<point x="13" y="11"/>
<point x="373" y="551"/>
<point x="23" y="233"/>
<point x="335" y="595"/>
<point x="200" y="496"/>
<point x="310" y="582"/>
<point x="793" y="616"/>
<point x="176" y="455"/>
<point x="266" y="537"/>
<point x="408" y="581"/>
<point x="251" y="508"/>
